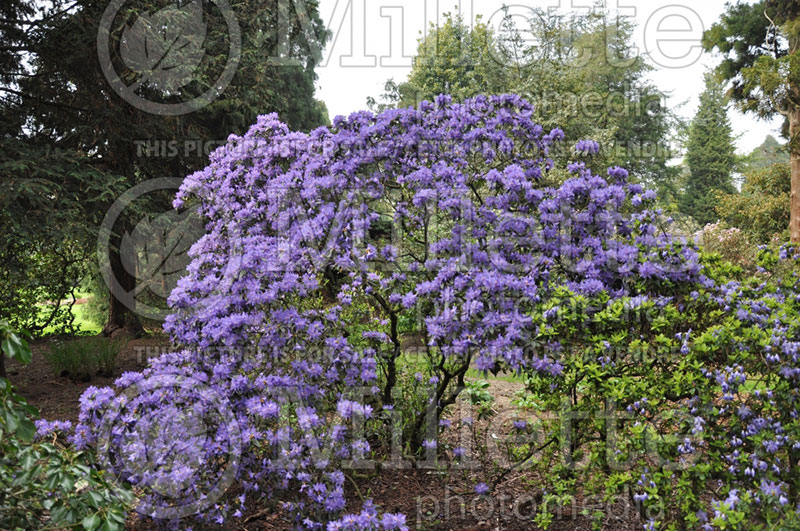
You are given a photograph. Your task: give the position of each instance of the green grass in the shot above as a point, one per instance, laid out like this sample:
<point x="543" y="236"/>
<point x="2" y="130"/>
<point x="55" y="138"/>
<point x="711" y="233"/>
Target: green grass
<point x="416" y="362"/>
<point x="473" y="373"/>
<point x="80" y="294"/>
<point x="82" y="321"/>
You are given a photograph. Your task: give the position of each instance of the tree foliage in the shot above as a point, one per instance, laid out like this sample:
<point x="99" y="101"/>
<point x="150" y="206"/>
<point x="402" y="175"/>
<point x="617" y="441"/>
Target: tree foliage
<point x="761" y="209"/>
<point x="458" y="60"/>
<point x="759" y="43"/>
<point x="710" y="155"/>
<point x="579" y="74"/>
<point x="50" y="198"/>
<point x="582" y="75"/>
<point x="769" y="153"/>
<point x="71" y="143"/>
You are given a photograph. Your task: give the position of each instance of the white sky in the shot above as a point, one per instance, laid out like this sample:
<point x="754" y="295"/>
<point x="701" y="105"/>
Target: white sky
<point x="374" y="40"/>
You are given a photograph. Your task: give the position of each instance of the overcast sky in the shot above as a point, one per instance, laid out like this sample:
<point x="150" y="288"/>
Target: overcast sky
<point x="374" y="40"/>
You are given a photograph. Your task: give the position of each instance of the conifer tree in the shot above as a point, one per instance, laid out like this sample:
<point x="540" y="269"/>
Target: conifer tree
<point x="710" y="155"/>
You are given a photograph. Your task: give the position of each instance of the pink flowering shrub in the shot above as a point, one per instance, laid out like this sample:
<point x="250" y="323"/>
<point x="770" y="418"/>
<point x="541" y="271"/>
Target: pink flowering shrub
<point x="731" y="243"/>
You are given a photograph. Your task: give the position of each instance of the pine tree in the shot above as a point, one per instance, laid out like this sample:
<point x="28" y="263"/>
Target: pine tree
<point x="759" y="43"/>
<point x="54" y="98"/>
<point x="710" y="155"/>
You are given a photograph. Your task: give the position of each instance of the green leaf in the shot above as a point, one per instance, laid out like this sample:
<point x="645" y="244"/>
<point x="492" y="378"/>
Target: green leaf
<point x="67" y="482"/>
<point x="95" y="499"/>
<point x="52" y="480"/>
<point x="91" y="522"/>
<point x="11" y="420"/>
<point x="118" y="516"/>
<point x="26" y="430"/>
<point x="59" y="513"/>
<point x="27" y="461"/>
<point x="110" y="525"/>
<point x="16" y="348"/>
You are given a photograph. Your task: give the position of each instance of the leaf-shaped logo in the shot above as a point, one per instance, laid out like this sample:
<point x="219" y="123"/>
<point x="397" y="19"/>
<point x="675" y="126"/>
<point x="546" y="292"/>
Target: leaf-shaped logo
<point x="157" y="249"/>
<point x="166" y="47"/>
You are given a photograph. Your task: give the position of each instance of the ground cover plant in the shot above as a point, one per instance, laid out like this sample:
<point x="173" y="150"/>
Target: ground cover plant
<point x="349" y="280"/>
<point x="80" y="359"/>
<point x="34" y="460"/>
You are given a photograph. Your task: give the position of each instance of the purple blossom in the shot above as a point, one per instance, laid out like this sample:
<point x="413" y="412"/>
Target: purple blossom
<point x="587" y="146"/>
<point x="481" y="488"/>
<point x="45" y="428"/>
<point x="429" y="444"/>
<point x="282" y="208"/>
<point x="770" y="488"/>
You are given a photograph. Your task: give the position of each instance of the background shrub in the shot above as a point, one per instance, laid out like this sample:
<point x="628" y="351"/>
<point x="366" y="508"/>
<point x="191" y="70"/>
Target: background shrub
<point x="83" y="358"/>
<point x="731" y="243"/>
<point x="46" y="483"/>
<point x="761" y="209"/>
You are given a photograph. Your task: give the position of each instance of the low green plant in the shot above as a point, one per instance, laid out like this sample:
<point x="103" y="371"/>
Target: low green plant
<point x="106" y="353"/>
<point x="43" y="483"/>
<point x="526" y="401"/>
<point x="478" y="394"/>
<point x="80" y="359"/>
<point x="682" y="403"/>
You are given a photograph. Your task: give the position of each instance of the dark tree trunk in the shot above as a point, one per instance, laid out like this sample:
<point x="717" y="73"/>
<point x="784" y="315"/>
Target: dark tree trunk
<point x="794" y="143"/>
<point x="122" y="316"/>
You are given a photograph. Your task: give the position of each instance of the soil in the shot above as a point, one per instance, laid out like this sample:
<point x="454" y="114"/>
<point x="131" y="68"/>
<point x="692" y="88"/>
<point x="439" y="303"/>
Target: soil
<point x="431" y="499"/>
<point x="55" y="396"/>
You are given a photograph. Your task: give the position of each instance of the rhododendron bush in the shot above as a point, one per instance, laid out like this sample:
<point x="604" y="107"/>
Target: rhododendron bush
<point x="320" y="246"/>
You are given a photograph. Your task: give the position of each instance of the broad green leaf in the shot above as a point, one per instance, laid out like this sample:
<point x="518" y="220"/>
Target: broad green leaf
<point x="91" y="522"/>
<point x="26" y="430"/>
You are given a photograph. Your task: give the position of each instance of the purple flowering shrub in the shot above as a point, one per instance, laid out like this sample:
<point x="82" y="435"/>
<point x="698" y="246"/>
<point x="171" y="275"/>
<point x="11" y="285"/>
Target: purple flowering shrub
<point x="321" y="247"/>
<point x="683" y="399"/>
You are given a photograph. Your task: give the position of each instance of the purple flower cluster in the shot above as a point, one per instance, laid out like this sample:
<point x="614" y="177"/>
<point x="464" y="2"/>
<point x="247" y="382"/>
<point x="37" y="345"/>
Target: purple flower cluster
<point x="587" y="146"/>
<point x="745" y="404"/>
<point x="45" y="428"/>
<point x="477" y="242"/>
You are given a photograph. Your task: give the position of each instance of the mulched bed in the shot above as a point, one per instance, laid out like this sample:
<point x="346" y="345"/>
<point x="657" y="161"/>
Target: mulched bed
<point x="56" y="397"/>
<point x="430" y="499"/>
